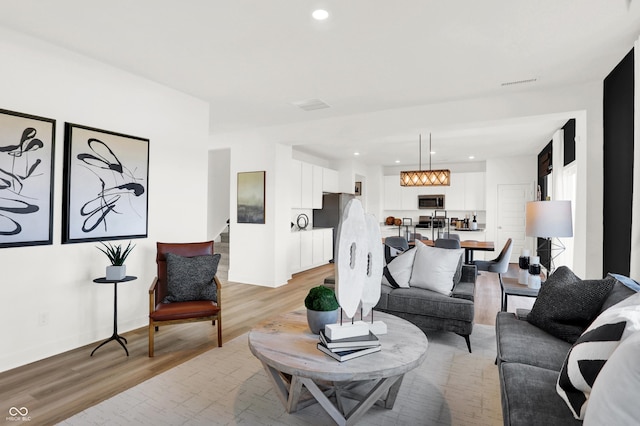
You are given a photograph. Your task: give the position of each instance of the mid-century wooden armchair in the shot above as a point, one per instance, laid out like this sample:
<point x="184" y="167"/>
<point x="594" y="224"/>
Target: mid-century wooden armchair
<point x="180" y="312"/>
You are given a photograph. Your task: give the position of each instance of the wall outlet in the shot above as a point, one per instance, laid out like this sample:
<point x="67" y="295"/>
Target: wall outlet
<point x="43" y="319"/>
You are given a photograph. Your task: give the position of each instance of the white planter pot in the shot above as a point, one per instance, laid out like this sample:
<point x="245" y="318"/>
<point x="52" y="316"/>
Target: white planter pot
<point x="116" y="272"/>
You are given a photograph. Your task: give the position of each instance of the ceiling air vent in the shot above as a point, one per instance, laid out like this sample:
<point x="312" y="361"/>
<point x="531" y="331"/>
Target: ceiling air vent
<point x="311" y="104"/>
<point x="512" y="83"/>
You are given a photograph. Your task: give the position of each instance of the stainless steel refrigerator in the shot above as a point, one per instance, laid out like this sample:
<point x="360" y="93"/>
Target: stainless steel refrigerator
<point x="333" y="205"/>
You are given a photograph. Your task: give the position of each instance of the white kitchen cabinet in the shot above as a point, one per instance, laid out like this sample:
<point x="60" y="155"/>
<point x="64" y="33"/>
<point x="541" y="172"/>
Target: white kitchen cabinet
<point x="306" y="249"/>
<point x="317" y="238"/>
<point x="311" y="248"/>
<point x="327" y="249"/>
<point x="330" y="180"/>
<point x="392" y="194"/>
<point x="398" y="197"/>
<point x="316" y="188"/>
<point x="294" y="252"/>
<point x="296" y="184"/>
<point x="408" y="197"/>
<point x="475" y="191"/>
<point x="306" y="183"/>
<point x="455" y="193"/>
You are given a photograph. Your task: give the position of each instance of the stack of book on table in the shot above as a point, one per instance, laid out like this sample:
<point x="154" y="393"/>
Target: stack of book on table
<point x="350" y="347"/>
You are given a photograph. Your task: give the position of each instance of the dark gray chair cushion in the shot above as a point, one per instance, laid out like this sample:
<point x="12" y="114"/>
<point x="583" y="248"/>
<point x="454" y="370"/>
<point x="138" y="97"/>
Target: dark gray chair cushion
<point x="566" y="305"/>
<point x="529" y="397"/>
<point x="519" y="341"/>
<point x="191" y="278"/>
<point x="420" y="301"/>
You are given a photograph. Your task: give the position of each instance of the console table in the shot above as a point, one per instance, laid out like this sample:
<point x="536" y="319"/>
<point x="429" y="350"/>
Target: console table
<point x="287" y="349"/>
<point x="115" y="336"/>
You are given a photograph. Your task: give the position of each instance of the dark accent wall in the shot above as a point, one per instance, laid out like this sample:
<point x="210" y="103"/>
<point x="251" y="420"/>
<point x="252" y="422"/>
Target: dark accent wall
<point x="618" y="166"/>
<point x="545" y="167"/>
<point x="569" y="141"/>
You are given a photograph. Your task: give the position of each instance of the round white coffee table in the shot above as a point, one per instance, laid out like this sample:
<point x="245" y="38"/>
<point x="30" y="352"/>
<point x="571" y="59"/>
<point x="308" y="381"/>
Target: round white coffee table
<point x="287" y="349"/>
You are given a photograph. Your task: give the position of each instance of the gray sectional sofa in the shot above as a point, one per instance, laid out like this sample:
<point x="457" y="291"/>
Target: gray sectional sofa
<point x="529" y="361"/>
<point x="431" y="310"/>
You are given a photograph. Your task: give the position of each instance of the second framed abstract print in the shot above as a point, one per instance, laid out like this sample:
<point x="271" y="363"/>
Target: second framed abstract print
<point x="106" y="185"/>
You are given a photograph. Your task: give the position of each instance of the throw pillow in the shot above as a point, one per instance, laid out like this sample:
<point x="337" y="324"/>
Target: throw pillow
<point x="566" y="305"/>
<point x="397" y="273"/>
<point x="614" y="397"/>
<point x="629" y="282"/>
<point x="191" y="278"/>
<point x="591" y="351"/>
<point x="434" y="268"/>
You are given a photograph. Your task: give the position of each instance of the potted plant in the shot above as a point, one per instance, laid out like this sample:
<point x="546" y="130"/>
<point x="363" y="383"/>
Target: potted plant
<point x="117" y="256"/>
<point x="322" y="308"/>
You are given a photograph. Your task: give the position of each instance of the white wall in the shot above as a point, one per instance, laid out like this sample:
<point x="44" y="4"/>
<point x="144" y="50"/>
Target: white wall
<point x="218" y="194"/>
<point x="510" y="170"/>
<point x="583" y="101"/>
<point x="258" y="252"/>
<point x="49" y="303"/>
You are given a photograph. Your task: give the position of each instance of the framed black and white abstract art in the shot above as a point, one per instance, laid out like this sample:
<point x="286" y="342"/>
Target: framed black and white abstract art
<point x="27" y="147"/>
<point x="251" y="194"/>
<point x="106" y="185"/>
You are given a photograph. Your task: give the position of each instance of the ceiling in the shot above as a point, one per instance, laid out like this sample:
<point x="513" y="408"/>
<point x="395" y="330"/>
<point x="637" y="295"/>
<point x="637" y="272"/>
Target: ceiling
<point x="252" y="59"/>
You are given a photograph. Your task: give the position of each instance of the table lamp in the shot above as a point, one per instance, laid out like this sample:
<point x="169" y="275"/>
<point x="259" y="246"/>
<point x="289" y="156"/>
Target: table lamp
<point x="548" y="220"/>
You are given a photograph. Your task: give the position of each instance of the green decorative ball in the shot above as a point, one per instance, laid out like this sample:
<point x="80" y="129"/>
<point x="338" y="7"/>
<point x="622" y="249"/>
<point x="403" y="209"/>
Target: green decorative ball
<point x="321" y="298"/>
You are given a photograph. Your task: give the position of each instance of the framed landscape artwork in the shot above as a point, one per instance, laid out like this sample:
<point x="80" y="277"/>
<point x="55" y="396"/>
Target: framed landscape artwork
<point x="27" y="146"/>
<point x="251" y="190"/>
<point x="106" y="185"/>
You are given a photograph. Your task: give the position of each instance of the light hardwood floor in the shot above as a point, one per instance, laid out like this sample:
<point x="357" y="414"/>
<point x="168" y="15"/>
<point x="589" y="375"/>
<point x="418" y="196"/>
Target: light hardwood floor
<point x="56" y="388"/>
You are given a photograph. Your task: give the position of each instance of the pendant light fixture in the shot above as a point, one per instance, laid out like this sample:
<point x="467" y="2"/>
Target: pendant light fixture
<point x="429" y="177"/>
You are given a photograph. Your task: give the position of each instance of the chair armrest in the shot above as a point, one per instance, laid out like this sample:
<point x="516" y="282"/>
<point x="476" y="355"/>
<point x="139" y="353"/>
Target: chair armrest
<point x="154" y="284"/>
<point x="218" y="291"/>
<point x="152" y="291"/>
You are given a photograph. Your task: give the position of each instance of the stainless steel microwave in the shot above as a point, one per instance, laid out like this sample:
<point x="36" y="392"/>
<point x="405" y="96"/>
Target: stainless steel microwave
<point x="431" y="201"/>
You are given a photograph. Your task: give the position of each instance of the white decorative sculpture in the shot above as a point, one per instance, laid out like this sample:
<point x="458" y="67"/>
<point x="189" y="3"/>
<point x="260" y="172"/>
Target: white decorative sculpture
<point x="358" y="271"/>
<point x="351" y="258"/>
<point x="373" y="280"/>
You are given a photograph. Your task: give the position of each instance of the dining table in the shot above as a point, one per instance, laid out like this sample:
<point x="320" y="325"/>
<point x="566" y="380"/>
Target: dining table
<point x="469" y="247"/>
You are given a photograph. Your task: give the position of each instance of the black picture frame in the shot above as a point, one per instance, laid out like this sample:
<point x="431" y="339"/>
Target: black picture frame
<point x="106" y="185"/>
<point x="251" y="197"/>
<point x="27" y="152"/>
<point x="358" y="189"/>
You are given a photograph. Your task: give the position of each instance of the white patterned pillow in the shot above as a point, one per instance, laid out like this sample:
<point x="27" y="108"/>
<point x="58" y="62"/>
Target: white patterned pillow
<point x="592" y="350"/>
<point x="614" y="399"/>
<point x="397" y="273"/>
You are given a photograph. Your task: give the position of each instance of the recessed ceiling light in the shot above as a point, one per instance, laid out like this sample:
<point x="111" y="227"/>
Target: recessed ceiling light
<point x="356" y="153"/>
<point x="320" y="14"/>
<point x="471" y="157"/>
<point x="432" y="152"/>
<point x="397" y="161"/>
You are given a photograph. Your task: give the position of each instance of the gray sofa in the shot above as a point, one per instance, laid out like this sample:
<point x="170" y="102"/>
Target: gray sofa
<point x="431" y="310"/>
<point x="529" y="361"/>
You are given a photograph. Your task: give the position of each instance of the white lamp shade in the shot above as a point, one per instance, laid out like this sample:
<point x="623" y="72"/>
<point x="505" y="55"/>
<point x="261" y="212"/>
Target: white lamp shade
<point x="547" y="219"/>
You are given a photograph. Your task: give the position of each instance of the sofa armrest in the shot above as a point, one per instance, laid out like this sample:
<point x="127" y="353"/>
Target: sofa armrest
<point x="469" y="273"/>
<point x="466" y="288"/>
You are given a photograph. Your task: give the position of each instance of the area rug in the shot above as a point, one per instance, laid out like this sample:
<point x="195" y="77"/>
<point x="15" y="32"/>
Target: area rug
<point x="227" y="386"/>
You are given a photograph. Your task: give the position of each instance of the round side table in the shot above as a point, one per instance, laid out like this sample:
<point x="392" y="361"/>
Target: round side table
<point x="115" y="336"/>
